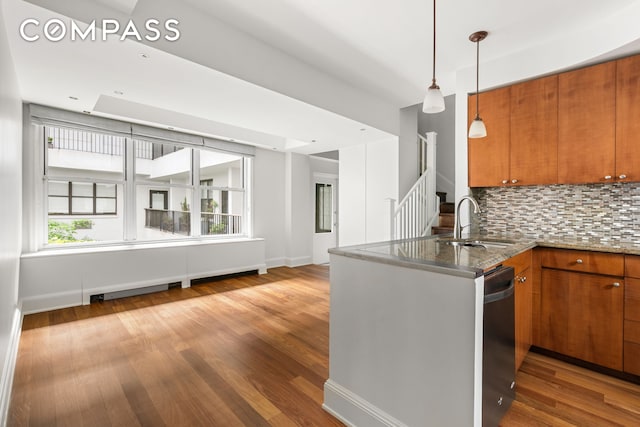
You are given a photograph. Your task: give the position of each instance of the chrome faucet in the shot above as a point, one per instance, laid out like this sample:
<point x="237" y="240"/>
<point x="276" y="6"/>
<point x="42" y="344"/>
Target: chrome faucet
<point x="457" y="228"/>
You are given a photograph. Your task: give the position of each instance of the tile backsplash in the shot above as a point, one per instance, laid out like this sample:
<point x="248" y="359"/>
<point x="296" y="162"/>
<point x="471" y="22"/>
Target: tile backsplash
<point x="608" y="212"/>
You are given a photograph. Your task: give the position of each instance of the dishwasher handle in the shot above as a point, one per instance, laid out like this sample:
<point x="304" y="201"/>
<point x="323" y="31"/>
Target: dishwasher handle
<point x="499" y="284"/>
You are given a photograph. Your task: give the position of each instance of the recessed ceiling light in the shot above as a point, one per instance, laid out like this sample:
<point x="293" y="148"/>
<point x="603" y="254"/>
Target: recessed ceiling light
<point x="144" y="55"/>
<point x="118" y="92"/>
<point x="74" y="98"/>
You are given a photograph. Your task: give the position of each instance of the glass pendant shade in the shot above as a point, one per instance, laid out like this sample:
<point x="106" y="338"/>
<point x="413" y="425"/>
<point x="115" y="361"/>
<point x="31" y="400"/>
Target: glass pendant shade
<point x="433" y="101"/>
<point x="477" y="129"/>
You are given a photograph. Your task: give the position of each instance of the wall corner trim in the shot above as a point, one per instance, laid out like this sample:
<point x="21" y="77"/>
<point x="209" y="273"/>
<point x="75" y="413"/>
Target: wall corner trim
<point x="8" y="370"/>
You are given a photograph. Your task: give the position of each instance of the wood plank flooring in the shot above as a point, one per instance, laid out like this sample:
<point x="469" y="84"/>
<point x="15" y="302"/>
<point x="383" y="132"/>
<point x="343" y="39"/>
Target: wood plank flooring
<point x="243" y="351"/>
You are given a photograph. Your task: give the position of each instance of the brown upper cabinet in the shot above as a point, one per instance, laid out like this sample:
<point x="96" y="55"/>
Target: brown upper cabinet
<point x="489" y="156"/>
<point x="627" y="119"/>
<point x="522" y="135"/>
<point x="534" y="132"/>
<point x="587" y="124"/>
<point x="575" y="127"/>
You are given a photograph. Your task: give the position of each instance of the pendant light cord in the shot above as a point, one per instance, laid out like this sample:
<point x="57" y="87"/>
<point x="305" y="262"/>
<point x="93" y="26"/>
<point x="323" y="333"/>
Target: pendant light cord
<point x="477" y="79"/>
<point x="434" y="43"/>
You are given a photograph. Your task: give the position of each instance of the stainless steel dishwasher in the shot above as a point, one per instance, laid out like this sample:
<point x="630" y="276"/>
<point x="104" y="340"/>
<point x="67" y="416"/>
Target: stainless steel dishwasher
<point x="498" y="351"/>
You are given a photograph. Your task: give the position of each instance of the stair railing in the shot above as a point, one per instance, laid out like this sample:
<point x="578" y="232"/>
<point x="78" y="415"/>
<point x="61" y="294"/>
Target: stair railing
<point x="418" y="210"/>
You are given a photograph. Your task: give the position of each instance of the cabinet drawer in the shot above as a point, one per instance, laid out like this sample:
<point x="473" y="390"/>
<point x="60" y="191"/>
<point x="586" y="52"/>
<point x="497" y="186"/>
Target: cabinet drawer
<point x="519" y="262"/>
<point x="632" y="331"/>
<point x="583" y="261"/>
<point x="632" y="266"/>
<point x="632" y="299"/>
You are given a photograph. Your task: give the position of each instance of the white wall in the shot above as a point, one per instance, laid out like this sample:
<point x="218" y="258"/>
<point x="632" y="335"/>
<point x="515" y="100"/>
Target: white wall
<point x="444" y="124"/>
<point x="283" y="200"/>
<point x="368" y="177"/>
<point x="298" y="210"/>
<point x="269" y="203"/>
<point x="10" y="217"/>
<point x="408" y="152"/>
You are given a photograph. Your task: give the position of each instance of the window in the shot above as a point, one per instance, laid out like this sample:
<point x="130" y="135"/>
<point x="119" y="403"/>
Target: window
<point x="89" y="173"/>
<point x="84" y="182"/>
<point x="324" y="208"/>
<point x="222" y="196"/>
<point x="82" y="198"/>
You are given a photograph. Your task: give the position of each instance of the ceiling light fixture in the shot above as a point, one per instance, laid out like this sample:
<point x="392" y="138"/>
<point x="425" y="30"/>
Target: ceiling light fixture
<point x="477" y="128"/>
<point x="433" y="100"/>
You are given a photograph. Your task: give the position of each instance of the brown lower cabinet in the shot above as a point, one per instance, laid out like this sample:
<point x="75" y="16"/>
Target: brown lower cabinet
<point x="581" y="315"/>
<point x="632" y="315"/>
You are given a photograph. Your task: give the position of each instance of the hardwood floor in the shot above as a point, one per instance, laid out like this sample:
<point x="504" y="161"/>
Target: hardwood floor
<point x="243" y="351"/>
<point x="250" y="350"/>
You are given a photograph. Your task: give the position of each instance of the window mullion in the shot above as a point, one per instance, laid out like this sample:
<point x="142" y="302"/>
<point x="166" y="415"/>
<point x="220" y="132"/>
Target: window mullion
<point x="195" y="196"/>
<point x="129" y="205"/>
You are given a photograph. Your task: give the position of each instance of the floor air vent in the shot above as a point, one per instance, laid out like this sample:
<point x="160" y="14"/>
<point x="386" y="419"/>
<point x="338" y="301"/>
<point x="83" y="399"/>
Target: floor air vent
<point x="128" y="293"/>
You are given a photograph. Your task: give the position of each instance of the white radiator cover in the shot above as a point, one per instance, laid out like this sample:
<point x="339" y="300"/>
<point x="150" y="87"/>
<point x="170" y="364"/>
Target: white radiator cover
<point x="64" y="278"/>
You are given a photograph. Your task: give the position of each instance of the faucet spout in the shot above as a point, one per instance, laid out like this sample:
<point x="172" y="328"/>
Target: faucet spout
<point x="457" y="227"/>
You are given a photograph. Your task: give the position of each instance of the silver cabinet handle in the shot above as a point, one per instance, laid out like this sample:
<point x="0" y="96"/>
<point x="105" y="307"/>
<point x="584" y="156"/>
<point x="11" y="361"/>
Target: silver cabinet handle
<point x="579" y="261"/>
<point x="513" y="181"/>
<point x="607" y="177"/>
<point x="504" y="181"/>
<point x="623" y="176"/>
<point x="616" y="284"/>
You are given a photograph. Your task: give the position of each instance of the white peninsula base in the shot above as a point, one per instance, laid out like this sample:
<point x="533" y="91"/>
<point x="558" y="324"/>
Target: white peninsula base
<point x="405" y="345"/>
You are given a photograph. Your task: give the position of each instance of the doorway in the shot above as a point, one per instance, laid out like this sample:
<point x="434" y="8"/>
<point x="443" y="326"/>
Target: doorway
<point x="325" y="189"/>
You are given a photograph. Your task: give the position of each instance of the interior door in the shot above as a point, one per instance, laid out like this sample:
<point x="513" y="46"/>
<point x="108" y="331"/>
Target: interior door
<point x="325" y="218"/>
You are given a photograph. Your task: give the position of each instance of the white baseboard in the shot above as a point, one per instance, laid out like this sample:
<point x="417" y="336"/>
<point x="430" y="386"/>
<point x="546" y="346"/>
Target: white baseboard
<point x="6" y="380"/>
<point x="353" y="410"/>
<point x="298" y="261"/>
<point x="276" y="262"/>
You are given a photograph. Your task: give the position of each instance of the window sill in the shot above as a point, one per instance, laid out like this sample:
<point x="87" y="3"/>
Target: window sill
<point x="133" y="246"/>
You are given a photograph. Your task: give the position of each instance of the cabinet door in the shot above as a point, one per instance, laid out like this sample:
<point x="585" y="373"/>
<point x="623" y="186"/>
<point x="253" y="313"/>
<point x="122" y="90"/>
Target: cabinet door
<point x="534" y="132"/>
<point x="586" y="124"/>
<point x="632" y="325"/>
<point x="627" y="123"/>
<point x="581" y="315"/>
<point x="489" y="156"/>
<point x="521" y="263"/>
<point x="523" y="310"/>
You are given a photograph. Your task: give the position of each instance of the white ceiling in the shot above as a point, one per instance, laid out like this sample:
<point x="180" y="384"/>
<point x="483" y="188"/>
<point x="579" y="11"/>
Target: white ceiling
<point x="319" y="71"/>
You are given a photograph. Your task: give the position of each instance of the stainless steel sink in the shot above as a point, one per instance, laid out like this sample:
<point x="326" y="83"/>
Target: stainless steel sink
<point x="484" y="243"/>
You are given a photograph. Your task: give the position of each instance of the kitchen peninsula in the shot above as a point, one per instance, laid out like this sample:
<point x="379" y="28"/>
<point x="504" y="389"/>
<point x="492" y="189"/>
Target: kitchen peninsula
<point x="406" y="331"/>
<point x="406" y="320"/>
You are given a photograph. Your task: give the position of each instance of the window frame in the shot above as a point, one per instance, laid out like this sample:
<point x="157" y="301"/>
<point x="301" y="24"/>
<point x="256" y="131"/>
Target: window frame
<point x="130" y="183"/>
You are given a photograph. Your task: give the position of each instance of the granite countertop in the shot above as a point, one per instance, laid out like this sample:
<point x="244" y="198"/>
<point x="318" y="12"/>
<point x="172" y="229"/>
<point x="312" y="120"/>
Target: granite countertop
<point x="433" y="253"/>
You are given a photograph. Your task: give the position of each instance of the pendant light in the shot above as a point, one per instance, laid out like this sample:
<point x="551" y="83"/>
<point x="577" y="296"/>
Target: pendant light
<point x="433" y="101"/>
<point x="477" y="128"/>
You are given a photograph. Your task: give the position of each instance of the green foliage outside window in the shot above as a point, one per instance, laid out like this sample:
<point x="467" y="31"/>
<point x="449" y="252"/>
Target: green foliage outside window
<point x="62" y="232"/>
